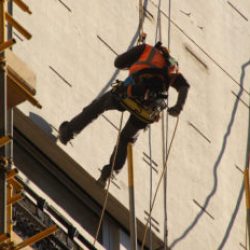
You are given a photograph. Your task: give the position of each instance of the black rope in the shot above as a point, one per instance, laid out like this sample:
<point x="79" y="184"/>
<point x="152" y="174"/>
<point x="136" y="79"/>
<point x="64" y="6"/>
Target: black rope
<point x="166" y="146"/>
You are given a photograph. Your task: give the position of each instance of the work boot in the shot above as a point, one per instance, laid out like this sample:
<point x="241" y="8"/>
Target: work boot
<point x="65" y="135"/>
<point x="105" y="175"/>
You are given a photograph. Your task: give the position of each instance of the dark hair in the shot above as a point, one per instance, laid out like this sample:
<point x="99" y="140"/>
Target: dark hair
<point x="163" y="50"/>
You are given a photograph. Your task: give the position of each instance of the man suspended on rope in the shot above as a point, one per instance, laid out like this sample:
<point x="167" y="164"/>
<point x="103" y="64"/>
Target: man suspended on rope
<point x="151" y="71"/>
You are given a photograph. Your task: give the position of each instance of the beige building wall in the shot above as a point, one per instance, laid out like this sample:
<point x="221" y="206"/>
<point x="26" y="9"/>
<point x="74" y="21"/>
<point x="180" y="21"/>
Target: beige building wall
<point x="72" y="51"/>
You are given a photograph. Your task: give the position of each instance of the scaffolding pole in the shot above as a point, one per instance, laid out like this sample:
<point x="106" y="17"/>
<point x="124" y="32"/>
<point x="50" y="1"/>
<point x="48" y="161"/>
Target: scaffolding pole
<point x="133" y="227"/>
<point x="39" y="236"/>
<point x="3" y="123"/>
<point x="247" y="193"/>
<point x="247" y="180"/>
<point x="9" y="149"/>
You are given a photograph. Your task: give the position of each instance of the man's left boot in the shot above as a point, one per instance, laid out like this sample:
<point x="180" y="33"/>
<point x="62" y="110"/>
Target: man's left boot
<point x="105" y="175"/>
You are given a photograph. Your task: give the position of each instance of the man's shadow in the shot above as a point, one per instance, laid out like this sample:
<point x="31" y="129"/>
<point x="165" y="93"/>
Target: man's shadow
<point x="215" y="173"/>
<point x="42" y="123"/>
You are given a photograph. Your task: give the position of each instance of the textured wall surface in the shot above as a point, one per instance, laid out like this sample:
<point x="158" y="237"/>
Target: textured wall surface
<point x="72" y="51"/>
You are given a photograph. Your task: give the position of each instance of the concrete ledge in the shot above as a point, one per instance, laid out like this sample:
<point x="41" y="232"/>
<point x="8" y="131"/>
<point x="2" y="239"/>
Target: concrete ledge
<point x="21" y="80"/>
<point x="76" y="172"/>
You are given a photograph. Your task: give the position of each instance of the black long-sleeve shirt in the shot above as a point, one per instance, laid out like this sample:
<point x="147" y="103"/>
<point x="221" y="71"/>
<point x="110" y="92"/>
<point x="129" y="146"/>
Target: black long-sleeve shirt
<point x="155" y="83"/>
<point x="126" y="59"/>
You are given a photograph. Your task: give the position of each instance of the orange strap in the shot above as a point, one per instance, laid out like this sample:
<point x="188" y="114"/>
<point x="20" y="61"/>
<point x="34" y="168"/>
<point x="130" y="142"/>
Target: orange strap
<point x="129" y="90"/>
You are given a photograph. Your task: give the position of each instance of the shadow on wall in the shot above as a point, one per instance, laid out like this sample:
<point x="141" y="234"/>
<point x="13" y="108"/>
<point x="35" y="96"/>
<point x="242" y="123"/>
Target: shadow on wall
<point x="215" y="169"/>
<point x="134" y="39"/>
<point x="236" y="209"/>
<point x="48" y="128"/>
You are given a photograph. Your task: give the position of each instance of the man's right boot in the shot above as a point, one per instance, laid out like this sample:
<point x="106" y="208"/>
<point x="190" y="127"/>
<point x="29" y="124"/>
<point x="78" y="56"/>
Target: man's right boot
<point x="65" y="135"/>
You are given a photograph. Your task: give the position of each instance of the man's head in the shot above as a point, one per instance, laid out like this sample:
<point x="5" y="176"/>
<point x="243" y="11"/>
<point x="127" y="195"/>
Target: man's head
<point x="172" y="63"/>
<point x="163" y="50"/>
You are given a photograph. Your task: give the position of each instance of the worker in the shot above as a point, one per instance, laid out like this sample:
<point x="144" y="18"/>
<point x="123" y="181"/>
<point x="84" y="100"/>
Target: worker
<point x="151" y="71"/>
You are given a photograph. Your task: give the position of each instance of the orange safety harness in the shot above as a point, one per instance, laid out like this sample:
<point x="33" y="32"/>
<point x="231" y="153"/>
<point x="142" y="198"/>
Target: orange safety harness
<point x="150" y="58"/>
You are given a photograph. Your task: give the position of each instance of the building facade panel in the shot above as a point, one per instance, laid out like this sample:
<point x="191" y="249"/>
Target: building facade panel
<point x="72" y="51"/>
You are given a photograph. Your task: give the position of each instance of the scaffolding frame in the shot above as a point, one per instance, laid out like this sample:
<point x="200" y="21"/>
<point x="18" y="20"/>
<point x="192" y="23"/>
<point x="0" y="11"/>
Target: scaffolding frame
<point x="11" y="191"/>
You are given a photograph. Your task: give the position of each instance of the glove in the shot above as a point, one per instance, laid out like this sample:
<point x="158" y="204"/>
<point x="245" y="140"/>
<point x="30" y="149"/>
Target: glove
<point x="175" y="110"/>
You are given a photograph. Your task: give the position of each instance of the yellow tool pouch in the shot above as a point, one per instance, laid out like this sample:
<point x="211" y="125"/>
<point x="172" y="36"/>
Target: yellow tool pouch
<point x="147" y="115"/>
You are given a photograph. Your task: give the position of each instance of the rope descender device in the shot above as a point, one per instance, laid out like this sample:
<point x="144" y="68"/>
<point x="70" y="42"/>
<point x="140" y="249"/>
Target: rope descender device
<point x="142" y="38"/>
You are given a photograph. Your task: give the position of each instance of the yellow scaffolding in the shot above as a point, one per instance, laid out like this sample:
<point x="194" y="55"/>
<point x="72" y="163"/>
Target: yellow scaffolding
<point x="22" y="6"/>
<point x="4" y="140"/>
<point x="17" y="26"/>
<point x="132" y="218"/>
<point x="7" y="44"/>
<point x="14" y="194"/>
<point x="32" y="240"/>
<point x="17" y="91"/>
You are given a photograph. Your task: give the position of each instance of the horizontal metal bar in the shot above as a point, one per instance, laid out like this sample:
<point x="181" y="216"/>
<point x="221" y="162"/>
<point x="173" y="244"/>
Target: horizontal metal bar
<point x="7" y="44"/>
<point x="16" y="185"/>
<point x="4" y="237"/>
<point x="12" y="173"/>
<point x="23" y="6"/>
<point x="17" y="26"/>
<point x="15" y="199"/>
<point x="29" y="97"/>
<point x="37" y="237"/>
<point x="34" y="221"/>
<point x="4" y="140"/>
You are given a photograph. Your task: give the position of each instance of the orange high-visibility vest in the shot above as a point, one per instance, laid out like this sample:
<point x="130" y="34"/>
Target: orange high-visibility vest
<point x="150" y="58"/>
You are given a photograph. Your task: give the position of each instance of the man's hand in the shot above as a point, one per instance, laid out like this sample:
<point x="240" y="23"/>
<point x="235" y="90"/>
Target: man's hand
<point x="175" y="110"/>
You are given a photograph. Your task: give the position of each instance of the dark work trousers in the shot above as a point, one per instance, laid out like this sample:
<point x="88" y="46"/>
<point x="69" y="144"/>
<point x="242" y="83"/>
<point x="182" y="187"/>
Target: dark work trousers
<point x="128" y="134"/>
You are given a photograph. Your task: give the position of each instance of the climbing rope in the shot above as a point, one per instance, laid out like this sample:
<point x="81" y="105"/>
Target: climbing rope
<point x="158" y="31"/>
<point x="164" y="131"/>
<point x="151" y="187"/>
<point x="165" y="139"/>
<point x="246" y="234"/>
<point x="169" y="22"/>
<point x="158" y="37"/>
<point x="141" y="39"/>
<point x="165" y="188"/>
<point x="164" y="122"/>
<point x="159" y="182"/>
<point x="109" y="181"/>
<point x="141" y="34"/>
<point x="140" y="17"/>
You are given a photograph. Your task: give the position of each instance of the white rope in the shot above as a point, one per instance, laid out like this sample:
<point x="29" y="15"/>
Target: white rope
<point x="140" y="28"/>
<point x="166" y="174"/>
<point x="141" y="14"/>
<point x="246" y="233"/>
<point x="164" y="127"/>
<point x="159" y="182"/>
<point x="158" y="31"/>
<point x="109" y="181"/>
